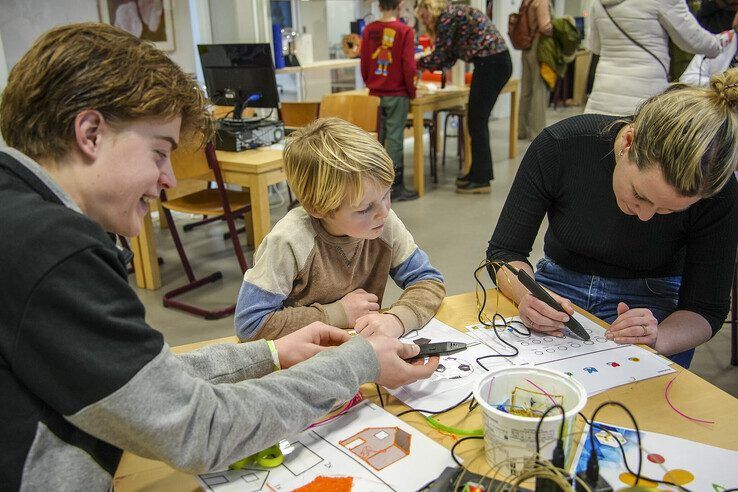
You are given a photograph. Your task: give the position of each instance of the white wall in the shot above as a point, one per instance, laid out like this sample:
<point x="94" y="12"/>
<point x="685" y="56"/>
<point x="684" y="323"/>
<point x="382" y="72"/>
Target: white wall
<point x="3" y="65"/>
<point x="183" y="54"/>
<point x="22" y="21"/>
<point x="502" y="9"/>
<point x="240" y="21"/>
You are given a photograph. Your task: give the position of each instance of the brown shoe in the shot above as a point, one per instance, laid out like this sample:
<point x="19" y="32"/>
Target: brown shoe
<point x="472" y="188"/>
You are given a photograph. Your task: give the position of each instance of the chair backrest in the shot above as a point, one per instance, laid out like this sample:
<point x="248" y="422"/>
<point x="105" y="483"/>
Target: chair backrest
<point x="298" y="113"/>
<point x="190" y="162"/>
<point x="361" y="110"/>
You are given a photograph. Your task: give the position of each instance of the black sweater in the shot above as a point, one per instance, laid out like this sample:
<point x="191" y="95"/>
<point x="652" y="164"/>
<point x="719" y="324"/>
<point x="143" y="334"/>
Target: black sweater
<point x="567" y="175"/>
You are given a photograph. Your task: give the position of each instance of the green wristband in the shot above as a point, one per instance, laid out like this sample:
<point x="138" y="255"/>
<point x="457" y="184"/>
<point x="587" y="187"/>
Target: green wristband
<point x="275" y="355"/>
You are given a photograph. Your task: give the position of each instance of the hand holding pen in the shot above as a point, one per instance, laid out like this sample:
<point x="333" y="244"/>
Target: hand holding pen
<point x="541" y="317"/>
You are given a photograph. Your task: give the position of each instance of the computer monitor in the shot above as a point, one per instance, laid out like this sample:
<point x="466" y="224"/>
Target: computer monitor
<point x="239" y="75"/>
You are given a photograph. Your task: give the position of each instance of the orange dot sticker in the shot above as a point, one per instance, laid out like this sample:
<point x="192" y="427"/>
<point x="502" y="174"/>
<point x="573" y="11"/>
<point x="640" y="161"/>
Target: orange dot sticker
<point x="630" y="479"/>
<point x="655" y="458"/>
<point x="679" y="477"/>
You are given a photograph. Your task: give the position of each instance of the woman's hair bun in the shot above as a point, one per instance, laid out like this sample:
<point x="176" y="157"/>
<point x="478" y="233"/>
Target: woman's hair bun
<point x="726" y="85"/>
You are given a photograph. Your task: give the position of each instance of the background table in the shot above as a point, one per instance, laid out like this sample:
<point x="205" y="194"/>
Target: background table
<point x="691" y="394"/>
<point x="254" y="169"/>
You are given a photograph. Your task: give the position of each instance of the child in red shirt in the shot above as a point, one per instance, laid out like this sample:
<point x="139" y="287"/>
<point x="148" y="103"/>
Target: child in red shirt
<point x="388" y="70"/>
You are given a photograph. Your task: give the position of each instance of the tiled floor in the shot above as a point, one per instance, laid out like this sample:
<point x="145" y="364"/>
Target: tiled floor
<point x="453" y="229"/>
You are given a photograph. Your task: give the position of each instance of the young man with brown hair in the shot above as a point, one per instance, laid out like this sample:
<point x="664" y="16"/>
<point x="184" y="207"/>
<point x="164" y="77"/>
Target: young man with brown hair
<point x="91" y="115"/>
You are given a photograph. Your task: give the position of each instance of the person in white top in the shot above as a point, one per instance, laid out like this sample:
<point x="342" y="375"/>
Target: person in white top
<point x="700" y="69"/>
<point x="626" y="73"/>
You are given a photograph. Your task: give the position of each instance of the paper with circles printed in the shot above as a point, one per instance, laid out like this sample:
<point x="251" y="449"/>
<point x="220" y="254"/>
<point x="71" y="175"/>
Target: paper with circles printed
<point x="598" y="363"/>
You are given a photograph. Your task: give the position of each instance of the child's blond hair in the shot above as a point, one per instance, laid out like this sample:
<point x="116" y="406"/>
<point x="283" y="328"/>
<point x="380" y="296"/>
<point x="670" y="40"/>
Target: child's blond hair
<point x="327" y="161"/>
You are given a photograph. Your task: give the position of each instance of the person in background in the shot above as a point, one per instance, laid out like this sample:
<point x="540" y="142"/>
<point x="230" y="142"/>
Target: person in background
<point x="626" y="73"/>
<point x="717" y="15"/>
<point x="388" y="70"/>
<point x="462" y="32"/>
<point x="643" y="219"/>
<point x="701" y="69"/>
<point x="92" y="114"/>
<point x="533" y="92"/>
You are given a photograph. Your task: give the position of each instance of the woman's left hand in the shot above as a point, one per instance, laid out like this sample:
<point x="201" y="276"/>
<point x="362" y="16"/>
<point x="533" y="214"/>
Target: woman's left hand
<point x="633" y="326"/>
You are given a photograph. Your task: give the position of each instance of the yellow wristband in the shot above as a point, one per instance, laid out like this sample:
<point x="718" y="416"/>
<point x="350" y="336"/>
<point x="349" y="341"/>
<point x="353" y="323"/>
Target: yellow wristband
<point x="275" y="355"/>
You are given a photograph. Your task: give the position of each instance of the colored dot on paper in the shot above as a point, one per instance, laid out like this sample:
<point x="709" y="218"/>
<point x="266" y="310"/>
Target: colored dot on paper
<point x="655" y="458"/>
<point x="629" y="479"/>
<point x="679" y="477"/>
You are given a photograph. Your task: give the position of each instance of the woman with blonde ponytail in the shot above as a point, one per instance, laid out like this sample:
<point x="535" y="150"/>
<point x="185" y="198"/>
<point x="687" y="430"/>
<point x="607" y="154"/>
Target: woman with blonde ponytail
<point x="643" y="218"/>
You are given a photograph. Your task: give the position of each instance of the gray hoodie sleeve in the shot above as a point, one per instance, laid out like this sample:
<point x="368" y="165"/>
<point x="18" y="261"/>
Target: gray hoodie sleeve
<point x="229" y="362"/>
<point x="170" y="412"/>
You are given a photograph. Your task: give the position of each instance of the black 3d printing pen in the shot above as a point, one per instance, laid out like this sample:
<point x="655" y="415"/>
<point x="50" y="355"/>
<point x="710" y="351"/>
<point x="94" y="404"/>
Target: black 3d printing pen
<point x="540" y="293"/>
<point x="442" y="348"/>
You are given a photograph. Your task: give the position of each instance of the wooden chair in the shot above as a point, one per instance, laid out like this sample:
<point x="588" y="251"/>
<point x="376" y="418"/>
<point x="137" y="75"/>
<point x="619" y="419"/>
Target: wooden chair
<point x="297" y="114"/>
<point x="359" y="109"/>
<point x="460" y="115"/>
<point x="203" y="164"/>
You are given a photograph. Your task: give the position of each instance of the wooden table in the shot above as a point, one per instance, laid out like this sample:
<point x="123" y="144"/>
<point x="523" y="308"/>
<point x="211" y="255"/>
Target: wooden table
<point x="451" y="97"/>
<point x="691" y="394"/>
<point x="254" y="169"/>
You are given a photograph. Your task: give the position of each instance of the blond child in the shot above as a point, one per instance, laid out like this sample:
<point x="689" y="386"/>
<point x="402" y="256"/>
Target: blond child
<point x="329" y="259"/>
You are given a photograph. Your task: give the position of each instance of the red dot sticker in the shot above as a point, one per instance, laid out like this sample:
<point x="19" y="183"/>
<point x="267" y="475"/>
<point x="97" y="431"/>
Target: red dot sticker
<point x="655" y="458"/>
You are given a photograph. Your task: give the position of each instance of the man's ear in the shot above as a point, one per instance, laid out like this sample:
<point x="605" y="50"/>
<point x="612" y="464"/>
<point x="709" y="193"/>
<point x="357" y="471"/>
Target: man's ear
<point x="88" y="127"/>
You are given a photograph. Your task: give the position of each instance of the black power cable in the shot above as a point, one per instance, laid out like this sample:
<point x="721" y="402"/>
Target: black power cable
<point x="504" y="323"/>
<point x="453" y="448"/>
<point x="436" y="412"/>
<point x="638" y="475"/>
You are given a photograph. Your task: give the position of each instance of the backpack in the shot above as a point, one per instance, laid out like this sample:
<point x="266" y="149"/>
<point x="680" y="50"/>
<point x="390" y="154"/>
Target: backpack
<point x="518" y="28"/>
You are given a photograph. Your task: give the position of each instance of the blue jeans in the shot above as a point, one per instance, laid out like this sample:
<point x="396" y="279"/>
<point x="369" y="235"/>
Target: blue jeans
<point x="601" y="295"/>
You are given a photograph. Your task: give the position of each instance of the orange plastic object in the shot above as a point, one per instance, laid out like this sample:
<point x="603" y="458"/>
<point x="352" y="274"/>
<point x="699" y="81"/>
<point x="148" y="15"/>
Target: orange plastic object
<point x="328" y="484"/>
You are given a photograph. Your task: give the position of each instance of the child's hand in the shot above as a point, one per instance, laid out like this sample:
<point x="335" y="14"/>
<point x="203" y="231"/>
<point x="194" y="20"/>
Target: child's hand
<point x="385" y="324"/>
<point x="359" y="303"/>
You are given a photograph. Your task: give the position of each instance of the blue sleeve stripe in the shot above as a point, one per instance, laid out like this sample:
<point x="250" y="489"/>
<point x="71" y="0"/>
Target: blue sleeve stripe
<point x="252" y="308"/>
<point x="417" y="267"/>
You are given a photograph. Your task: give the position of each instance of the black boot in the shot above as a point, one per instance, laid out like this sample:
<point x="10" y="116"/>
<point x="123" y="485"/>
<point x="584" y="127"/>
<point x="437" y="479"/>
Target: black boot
<point x="474" y="188"/>
<point x="399" y="193"/>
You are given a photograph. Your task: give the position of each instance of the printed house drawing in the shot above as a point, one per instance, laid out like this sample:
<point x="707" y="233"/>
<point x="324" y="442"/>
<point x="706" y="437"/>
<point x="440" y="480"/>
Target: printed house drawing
<point x="379" y="446"/>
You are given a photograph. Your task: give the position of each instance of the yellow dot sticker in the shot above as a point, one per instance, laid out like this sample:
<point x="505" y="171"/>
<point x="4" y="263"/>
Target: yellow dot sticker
<point x="629" y="479"/>
<point x="679" y="477"/>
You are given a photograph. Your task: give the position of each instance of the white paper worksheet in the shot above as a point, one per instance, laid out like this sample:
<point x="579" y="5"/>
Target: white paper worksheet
<point x="366" y="449"/>
<point x="456" y="375"/>
<point x="598" y="363"/>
